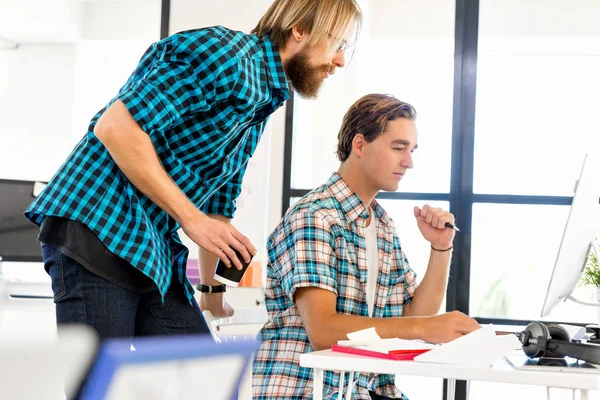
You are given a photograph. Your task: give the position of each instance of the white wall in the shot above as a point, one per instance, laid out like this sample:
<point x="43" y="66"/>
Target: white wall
<point x="36" y="101"/>
<point x="49" y="91"/>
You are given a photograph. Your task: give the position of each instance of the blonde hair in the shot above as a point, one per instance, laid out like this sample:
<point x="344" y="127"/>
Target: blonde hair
<point x="321" y="18"/>
<point x="369" y="116"/>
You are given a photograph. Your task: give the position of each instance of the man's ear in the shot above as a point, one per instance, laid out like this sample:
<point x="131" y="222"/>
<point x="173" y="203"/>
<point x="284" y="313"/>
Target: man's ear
<point x="358" y="144"/>
<point x="298" y="33"/>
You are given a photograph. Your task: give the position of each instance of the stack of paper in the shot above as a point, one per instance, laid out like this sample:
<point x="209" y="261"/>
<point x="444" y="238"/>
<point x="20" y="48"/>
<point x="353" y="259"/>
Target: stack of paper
<point x="479" y="348"/>
<point x="368" y="343"/>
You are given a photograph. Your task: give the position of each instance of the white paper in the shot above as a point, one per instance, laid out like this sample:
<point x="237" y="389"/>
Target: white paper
<point x="478" y="348"/>
<point x="364" y="336"/>
<point x="370" y="340"/>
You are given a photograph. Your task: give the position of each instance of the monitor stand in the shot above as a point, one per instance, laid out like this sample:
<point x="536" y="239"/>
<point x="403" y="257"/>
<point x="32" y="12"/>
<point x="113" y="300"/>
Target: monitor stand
<point x="592" y="247"/>
<point x="595" y="338"/>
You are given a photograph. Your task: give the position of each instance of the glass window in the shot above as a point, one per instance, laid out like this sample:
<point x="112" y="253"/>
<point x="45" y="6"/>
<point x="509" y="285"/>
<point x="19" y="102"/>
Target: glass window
<point x="412" y="242"/>
<point x="537" y="95"/>
<point x="512" y="261"/>
<point x="396" y="55"/>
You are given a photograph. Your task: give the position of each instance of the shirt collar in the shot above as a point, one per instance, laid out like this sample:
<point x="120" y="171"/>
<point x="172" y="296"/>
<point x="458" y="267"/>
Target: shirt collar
<point x="353" y="207"/>
<point x="275" y="72"/>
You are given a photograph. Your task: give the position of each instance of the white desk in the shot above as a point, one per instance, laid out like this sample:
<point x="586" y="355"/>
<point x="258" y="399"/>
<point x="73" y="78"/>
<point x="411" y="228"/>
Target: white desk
<point x="499" y="372"/>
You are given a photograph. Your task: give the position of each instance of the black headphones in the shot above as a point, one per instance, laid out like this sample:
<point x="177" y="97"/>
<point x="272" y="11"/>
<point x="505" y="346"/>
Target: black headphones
<point x="540" y="340"/>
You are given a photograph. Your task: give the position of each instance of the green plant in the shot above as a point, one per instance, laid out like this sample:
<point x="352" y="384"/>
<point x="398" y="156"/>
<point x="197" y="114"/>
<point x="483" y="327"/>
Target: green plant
<point x="591" y="274"/>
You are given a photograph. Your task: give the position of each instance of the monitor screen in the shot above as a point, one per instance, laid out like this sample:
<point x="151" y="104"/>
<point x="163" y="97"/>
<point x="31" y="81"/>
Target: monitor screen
<point x="18" y="236"/>
<point x="580" y="230"/>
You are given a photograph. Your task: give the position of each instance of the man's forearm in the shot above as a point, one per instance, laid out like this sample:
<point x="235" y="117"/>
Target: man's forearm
<point x="337" y="326"/>
<point x="430" y="292"/>
<point x="135" y="155"/>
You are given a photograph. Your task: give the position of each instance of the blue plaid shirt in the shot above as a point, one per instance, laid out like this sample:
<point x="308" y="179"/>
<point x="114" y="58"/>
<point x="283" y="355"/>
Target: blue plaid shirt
<point x="203" y="97"/>
<point x="321" y="243"/>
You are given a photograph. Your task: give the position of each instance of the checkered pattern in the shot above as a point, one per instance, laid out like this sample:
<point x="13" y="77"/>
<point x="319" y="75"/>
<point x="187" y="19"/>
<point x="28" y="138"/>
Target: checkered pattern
<point x="320" y="243"/>
<point x="203" y="96"/>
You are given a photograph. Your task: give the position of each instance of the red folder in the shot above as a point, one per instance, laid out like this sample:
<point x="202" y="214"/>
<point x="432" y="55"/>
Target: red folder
<point x="391" y="355"/>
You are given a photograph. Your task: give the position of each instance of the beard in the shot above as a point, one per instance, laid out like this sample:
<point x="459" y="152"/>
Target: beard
<point x="305" y="79"/>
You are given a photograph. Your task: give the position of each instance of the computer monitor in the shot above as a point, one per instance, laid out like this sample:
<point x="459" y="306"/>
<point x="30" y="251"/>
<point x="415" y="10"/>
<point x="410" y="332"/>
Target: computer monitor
<point x="18" y="236"/>
<point x="578" y="236"/>
<point x="177" y="367"/>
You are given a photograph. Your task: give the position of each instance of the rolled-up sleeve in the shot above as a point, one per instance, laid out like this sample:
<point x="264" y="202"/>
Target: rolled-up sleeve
<point x="312" y="255"/>
<point x="180" y="81"/>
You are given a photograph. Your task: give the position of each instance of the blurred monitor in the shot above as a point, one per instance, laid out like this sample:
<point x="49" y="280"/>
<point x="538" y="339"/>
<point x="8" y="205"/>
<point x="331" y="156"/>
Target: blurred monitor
<point x="42" y="368"/>
<point x="18" y="236"/>
<point x="173" y="367"/>
<point x="579" y="233"/>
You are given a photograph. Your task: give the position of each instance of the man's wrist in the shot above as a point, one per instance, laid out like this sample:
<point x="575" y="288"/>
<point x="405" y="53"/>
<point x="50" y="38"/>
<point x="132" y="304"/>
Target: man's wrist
<point x="190" y="216"/>
<point x="441" y="246"/>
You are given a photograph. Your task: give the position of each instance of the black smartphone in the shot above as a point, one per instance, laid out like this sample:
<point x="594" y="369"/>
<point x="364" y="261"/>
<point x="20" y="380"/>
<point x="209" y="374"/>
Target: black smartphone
<point x="231" y="276"/>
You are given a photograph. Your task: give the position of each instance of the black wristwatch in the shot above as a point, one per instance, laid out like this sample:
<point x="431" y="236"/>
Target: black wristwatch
<point x="211" y="289"/>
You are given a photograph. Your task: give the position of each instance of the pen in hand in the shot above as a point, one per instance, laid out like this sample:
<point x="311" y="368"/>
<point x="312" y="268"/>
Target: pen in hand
<point x="447" y="224"/>
<point x="451" y="226"/>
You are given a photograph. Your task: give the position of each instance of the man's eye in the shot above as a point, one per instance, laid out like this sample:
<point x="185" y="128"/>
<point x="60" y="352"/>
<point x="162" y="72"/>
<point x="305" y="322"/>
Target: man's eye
<point x="399" y="148"/>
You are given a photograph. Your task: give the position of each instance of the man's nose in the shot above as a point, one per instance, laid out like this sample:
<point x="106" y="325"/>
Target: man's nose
<point x="408" y="162"/>
<point x="340" y="59"/>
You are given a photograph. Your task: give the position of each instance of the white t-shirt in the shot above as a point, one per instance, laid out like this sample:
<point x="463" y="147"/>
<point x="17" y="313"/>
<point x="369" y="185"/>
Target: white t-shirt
<point x="372" y="261"/>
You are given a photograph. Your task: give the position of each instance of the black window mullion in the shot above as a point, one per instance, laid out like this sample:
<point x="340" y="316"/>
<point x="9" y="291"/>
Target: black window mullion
<point x="463" y="147"/>
<point x="288" y="192"/>
<point x="522" y="199"/>
<point x="165" y="17"/>
<point x="387" y="195"/>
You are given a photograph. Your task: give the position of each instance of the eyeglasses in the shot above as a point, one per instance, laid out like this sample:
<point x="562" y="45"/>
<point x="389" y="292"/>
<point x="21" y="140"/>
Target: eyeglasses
<point x="343" y="44"/>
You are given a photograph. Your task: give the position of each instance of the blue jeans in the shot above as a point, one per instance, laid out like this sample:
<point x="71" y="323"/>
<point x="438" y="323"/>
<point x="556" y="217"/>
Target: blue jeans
<point x="82" y="297"/>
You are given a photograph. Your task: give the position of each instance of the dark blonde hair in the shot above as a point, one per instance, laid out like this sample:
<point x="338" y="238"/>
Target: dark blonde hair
<point x="369" y="116"/>
<point x="322" y="18"/>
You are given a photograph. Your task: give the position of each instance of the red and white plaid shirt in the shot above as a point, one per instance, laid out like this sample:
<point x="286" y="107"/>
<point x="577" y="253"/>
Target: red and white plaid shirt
<point x="320" y="242"/>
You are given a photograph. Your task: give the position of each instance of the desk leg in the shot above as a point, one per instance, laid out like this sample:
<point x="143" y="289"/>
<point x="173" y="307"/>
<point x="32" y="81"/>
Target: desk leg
<point x="318" y="384"/>
<point x="341" y="388"/>
<point x="584" y="395"/>
<point x="450" y="389"/>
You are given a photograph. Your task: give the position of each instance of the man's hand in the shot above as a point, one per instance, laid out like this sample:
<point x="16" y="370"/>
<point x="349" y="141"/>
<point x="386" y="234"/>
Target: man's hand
<point x="447" y="327"/>
<point x="431" y="222"/>
<point x="219" y="238"/>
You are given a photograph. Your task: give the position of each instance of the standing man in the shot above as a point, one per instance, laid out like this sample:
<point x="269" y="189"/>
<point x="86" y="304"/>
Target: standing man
<point x="169" y="152"/>
<point x="336" y="265"/>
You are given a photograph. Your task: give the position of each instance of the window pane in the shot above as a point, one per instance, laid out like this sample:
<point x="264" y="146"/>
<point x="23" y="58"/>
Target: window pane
<point x="405" y="50"/>
<point x="512" y="261"/>
<point x="537" y="95"/>
<point x="412" y="242"/>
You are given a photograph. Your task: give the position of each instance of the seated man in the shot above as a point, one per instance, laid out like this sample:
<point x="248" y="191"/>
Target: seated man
<point x="336" y="264"/>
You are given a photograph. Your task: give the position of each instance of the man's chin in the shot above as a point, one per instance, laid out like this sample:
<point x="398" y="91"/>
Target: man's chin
<point x="308" y="93"/>
<point x="392" y="187"/>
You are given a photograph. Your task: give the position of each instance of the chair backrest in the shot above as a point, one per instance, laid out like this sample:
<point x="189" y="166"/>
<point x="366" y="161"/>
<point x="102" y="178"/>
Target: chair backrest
<point x="34" y="368"/>
<point x="191" y="366"/>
